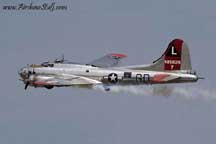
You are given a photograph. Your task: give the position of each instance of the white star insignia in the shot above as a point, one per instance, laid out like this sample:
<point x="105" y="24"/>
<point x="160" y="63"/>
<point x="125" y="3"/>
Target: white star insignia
<point x="113" y="77"/>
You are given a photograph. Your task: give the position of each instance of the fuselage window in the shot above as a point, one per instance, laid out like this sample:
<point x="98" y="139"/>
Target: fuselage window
<point x="127" y="74"/>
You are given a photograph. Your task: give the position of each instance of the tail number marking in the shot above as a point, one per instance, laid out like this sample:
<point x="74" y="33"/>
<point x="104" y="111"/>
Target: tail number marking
<point x="174" y="62"/>
<point x="143" y="78"/>
<point x="173" y="50"/>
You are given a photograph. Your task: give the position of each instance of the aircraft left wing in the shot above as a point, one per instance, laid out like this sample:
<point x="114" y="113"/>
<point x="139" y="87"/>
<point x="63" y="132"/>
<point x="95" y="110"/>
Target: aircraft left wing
<point x="64" y="80"/>
<point x="109" y="60"/>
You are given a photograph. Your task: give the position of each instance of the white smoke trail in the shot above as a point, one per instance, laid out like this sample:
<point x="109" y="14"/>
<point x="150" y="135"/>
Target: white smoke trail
<point x="188" y="92"/>
<point x="139" y="90"/>
<point x="195" y="92"/>
<point x="135" y="90"/>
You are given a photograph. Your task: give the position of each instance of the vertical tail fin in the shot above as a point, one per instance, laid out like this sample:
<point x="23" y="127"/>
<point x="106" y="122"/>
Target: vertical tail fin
<point x="175" y="58"/>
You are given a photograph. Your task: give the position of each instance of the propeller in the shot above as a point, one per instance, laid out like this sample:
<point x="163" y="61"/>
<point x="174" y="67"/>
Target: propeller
<point x="62" y="58"/>
<point x="26" y="85"/>
<point x="28" y="77"/>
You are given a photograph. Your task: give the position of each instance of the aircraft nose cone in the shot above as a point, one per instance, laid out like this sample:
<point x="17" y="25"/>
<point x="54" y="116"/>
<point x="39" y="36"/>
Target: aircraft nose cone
<point x="23" y="73"/>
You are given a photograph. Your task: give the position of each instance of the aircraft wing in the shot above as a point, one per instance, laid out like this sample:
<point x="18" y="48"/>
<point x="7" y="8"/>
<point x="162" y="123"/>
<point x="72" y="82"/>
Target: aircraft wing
<point x="109" y="60"/>
<point x="65" y="80"/>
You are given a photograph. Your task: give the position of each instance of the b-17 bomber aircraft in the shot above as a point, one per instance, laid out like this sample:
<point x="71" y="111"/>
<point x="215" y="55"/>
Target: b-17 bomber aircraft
<point x="174" y="66"/>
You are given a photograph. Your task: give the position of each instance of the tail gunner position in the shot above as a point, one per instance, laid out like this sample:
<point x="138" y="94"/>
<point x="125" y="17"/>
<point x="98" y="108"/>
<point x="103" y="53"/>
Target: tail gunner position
<point x="174" y="66"/>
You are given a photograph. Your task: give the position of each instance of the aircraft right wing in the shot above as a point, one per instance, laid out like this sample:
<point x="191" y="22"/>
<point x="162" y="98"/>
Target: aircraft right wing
<point x="109" y="60"/>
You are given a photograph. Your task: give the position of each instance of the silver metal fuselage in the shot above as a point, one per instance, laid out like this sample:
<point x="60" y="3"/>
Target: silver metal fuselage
<point x="124" y="76"/>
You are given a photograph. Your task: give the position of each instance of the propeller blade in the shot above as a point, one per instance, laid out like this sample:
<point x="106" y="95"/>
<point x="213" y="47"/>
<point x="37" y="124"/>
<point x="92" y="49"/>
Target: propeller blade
<point x="29" y="73"/>
<point x="34" y="71"/>
<point x="63" y="58"/>
<point x="26" y="86"/>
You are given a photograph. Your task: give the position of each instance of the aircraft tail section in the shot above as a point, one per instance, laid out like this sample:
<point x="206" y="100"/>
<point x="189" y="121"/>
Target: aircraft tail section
<point x="175" y="58"/>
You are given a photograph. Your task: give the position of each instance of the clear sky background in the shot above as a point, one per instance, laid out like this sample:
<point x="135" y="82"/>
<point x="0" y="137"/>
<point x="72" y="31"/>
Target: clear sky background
<point x="89" y="29"/>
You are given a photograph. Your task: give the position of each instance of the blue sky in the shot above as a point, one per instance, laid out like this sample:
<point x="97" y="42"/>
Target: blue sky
<point x="88" y="30"/>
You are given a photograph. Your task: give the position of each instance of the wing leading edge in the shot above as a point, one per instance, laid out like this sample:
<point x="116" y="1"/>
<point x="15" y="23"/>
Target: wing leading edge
<point x="64" y="80"/>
